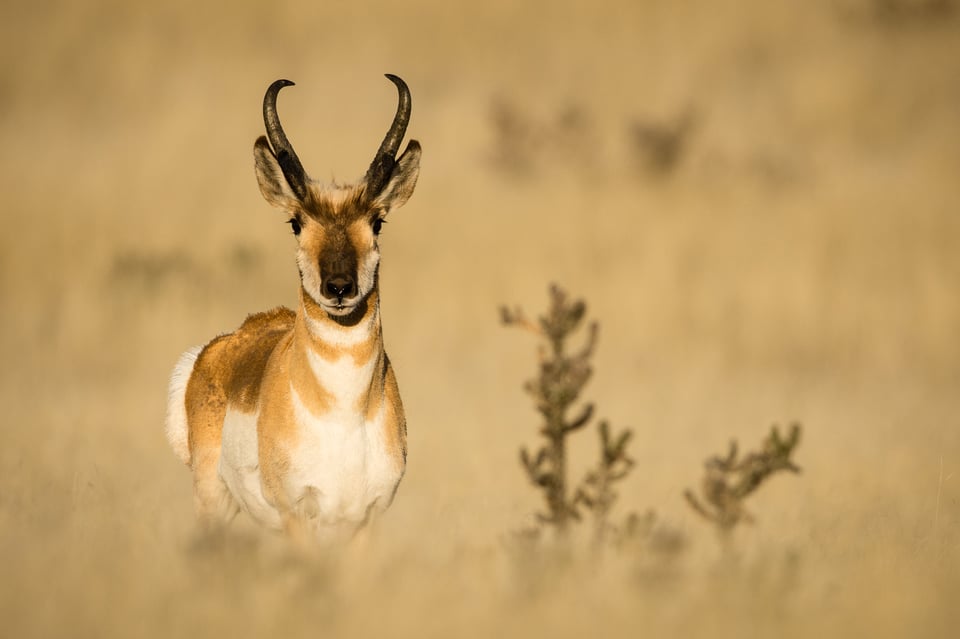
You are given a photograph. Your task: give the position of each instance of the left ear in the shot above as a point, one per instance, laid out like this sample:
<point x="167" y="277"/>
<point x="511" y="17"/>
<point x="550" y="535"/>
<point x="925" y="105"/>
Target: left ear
<point x="402" y="181"/>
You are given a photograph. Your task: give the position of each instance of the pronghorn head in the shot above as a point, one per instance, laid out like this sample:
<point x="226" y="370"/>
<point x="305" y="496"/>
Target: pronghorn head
<point x="337" y="226"/>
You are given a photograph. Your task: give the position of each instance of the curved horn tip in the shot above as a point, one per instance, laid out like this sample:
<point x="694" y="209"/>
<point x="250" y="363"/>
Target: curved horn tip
<point x="397" y="80"/>
<point x="279" y="84"/>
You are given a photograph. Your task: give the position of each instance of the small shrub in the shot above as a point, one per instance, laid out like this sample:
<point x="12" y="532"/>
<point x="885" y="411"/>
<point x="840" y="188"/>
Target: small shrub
<point x="555" y="390"/>
<point x="728" y="481"/>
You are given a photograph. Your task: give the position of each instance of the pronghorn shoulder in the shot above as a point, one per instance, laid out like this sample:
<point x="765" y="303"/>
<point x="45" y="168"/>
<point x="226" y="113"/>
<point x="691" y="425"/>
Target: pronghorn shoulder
<point x="235" y="362"/>
<point x="280" y="318"/>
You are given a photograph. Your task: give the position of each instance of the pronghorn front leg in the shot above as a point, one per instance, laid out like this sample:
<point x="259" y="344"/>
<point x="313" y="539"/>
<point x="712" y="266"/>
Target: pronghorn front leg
<point x="297" y="532"/>
<point x="212" y="501"/>
<point x="299" y="510"/>
<point x="300" y="519"/>
<point x="362" y="538"/>
<point x="272" y="464"/>
<point x="302" y="522"/>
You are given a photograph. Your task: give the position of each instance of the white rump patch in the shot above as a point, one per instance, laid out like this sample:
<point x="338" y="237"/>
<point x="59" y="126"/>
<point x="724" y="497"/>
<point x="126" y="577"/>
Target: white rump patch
<point x="176" y="426"/>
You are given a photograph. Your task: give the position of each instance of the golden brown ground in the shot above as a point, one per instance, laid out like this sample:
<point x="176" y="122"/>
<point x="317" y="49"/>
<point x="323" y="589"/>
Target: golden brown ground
<point x="798" y="257"/>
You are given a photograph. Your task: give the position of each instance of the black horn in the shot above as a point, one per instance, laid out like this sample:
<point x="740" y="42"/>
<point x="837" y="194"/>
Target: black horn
<point x="286" y="157"/>
<point x="382" y="166"/>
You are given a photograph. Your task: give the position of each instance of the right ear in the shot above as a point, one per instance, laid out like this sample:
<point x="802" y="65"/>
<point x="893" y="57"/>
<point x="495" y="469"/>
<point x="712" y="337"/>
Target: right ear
<point x="273" y="184"/>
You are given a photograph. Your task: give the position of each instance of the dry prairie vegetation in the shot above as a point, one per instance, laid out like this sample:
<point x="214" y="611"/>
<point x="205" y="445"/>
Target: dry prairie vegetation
<point x="758" y="200"/>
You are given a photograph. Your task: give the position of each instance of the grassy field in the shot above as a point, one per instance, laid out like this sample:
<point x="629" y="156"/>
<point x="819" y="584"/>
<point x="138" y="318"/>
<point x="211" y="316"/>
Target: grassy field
<point x="758" y="201"/>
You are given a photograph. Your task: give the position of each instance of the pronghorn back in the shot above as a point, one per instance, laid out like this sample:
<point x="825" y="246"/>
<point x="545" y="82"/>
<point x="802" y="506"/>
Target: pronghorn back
<point x="295" y="417"/>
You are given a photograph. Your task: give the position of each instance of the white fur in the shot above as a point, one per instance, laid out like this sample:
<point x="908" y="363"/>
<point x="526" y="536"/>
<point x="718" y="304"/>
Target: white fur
<point x="312" y="283"/>
<point x="176" y="425"/>
<point x="341" y="377"/>
<point x="240" y="466"/>
<point x="344" y="380"/>
<point x="336" y="194"/>
<point x="341" y="460"/>
<point x="340" y="469"/>
<point x="341" y="463"/>
<point x="367" y="271"/>
<point x="309" y="274"/>
<point x="340" y="337"/>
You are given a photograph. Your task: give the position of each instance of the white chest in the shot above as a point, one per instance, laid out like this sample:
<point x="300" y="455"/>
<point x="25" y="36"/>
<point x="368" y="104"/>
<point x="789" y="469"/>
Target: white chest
<point x="338" y="465"/>
<point x="340" y="468"/>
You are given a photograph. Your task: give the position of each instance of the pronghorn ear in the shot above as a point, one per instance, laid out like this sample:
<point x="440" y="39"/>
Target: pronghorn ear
<point x="273" y="184"/>
<point x="402" y="181"/>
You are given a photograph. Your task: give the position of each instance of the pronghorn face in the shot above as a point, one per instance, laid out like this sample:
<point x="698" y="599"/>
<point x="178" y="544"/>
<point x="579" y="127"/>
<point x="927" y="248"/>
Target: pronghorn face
<point x="338" y="254"/>
<point x="337" y="227"/>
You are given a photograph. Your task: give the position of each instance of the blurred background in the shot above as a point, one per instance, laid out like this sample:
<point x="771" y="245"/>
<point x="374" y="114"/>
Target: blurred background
<point x="757" y="200"/>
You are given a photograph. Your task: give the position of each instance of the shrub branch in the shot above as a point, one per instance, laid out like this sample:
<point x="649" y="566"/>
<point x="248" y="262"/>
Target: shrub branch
<point x="728" y="481"/>
<point x="561" y="377"/>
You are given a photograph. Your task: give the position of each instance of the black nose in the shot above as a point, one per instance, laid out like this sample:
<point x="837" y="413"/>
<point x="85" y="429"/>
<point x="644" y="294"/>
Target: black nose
<point x="339" y="286"/>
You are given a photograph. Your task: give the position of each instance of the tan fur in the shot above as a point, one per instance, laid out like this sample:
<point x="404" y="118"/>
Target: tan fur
<point x="296" y="417"/>
<point x="360" y="352"/>
<point x="396" y="424"/>
<point x="297" y="369"/>
<point x="276" y="430"/>
<point x="228" y="371"/>
<point x="252" y="371"/>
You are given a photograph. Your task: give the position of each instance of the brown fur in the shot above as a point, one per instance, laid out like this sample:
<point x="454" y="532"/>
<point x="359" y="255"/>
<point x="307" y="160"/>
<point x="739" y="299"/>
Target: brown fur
<point x="317" y="399"/>
<point x="228" y="372"/>
<point x="396" y="420"/>
<point x="360" y="352"/>
<point x="276" y="430"/>
<point x="263" y="358"/>
<point x="253" y="369"/>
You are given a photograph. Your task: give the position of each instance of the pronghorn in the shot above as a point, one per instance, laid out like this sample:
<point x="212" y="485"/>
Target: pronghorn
<point x="295" y="417"/>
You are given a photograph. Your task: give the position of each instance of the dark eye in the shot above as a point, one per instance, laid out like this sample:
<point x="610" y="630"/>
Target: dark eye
<point x="295" y="225"/>
<point x="377" y="226"/>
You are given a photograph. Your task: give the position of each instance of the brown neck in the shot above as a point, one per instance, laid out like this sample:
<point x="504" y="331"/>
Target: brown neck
<point x="338" y="363"/>
<point x="357" y="335"/>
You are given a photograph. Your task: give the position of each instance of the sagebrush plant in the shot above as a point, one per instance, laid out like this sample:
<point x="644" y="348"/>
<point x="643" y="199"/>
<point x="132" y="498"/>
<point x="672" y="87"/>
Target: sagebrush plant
<point x="563" y="373"/>
<point x="728" y="481"/>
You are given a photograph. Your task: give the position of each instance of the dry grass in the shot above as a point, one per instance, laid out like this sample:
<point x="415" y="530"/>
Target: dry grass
<point x="796" y="259"/>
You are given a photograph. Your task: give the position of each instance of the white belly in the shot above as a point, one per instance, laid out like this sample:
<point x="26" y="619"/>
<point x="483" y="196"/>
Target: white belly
<point x="339" y="470"/>
<point x="240" y="466"/>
